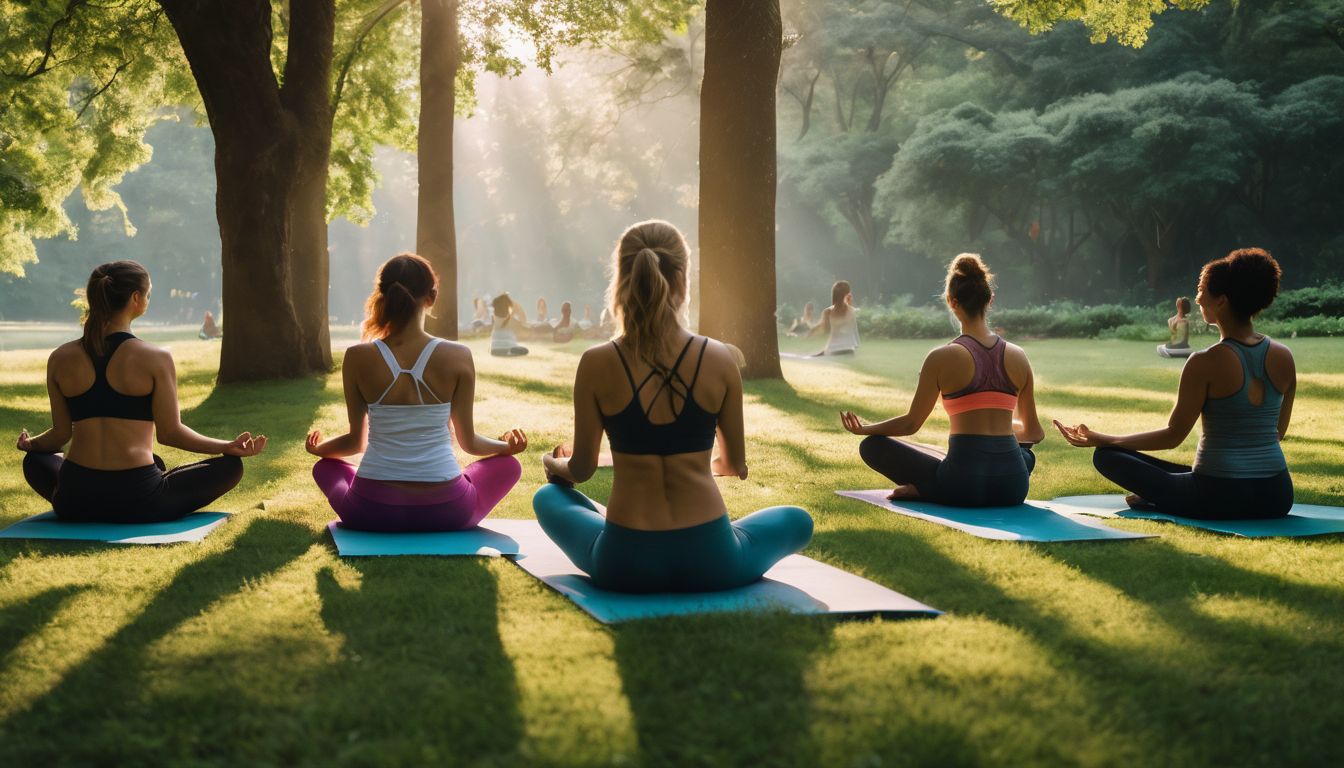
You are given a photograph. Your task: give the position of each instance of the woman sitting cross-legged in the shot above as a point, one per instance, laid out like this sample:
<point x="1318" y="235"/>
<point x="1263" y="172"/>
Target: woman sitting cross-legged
<point x="1179" y="326"/>
<point x="1241" y="387"/>
<point x="664" y="397"/>
<point x="985" y="382"/>
<point x="111" y="395"/>
<point x="408" y="385"/>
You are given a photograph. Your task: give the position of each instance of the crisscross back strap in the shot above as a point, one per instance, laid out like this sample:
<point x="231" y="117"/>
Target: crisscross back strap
<point x="416" y="372"/>
<point x="628" y="375"/>
<point x="668" y="376"/>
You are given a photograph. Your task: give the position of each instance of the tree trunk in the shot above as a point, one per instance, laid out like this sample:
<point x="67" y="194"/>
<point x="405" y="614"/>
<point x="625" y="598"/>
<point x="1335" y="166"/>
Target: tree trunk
<point x="436" y="231"/>
<point x="743" y="44"/>
<point x="271" y="148"/>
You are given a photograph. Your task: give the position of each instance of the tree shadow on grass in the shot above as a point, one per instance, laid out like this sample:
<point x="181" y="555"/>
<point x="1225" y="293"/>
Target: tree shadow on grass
<point x="1222" y="693"/>
<point x="721" y="689"/>
<point x="104" y="700"/>
<point x="19" y="619"/>
<point x="423" y="677"/>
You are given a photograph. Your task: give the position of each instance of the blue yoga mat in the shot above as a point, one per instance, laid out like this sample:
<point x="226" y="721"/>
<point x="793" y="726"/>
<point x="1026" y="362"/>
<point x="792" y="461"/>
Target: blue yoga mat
<point x="193" y="527"/>
<point x="485" y="540"/>
<point x="1303" y="520"/>
<point x="796" y="584"/>
<point x="1025" y="522"/>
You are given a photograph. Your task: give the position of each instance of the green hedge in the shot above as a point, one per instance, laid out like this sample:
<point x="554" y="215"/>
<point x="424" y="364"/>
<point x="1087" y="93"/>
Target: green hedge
<point x="1302" y="312"/>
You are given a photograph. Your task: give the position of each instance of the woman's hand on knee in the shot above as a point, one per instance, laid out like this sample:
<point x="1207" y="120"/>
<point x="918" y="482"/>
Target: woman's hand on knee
<point x="245" y="445"/>
<point x="515" y="442"/>
<point x="1082" y="437"/>
<point x="854" y="424"/>
<point x="25" y="442"/>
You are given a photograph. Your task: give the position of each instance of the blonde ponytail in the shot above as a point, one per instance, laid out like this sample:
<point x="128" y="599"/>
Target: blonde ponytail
<point x="649" y="286"/>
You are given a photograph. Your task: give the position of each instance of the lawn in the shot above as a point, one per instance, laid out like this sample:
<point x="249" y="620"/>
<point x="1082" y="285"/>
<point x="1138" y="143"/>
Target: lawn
<point x="259" y="646"/>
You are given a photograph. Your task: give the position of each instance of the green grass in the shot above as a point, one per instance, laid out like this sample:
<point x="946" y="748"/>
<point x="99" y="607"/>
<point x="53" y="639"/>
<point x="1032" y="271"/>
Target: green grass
<point x="259" y="646"/>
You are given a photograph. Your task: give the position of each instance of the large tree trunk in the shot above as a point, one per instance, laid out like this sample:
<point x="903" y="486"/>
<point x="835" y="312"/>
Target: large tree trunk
<point x="436" y="231"/>
<point x="271" y="149"/>
<point x="743" y="44"/>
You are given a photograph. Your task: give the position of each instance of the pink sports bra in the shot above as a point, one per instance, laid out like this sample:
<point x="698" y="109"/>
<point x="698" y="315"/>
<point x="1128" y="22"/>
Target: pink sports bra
<point x="990" y="387"/>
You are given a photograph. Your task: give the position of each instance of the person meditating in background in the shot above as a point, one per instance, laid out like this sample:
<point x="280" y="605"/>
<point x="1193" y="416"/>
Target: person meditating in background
<point x="503" y="341"/>
<point x="840" y="322"/>
<point x="111" y="395"/>
<point x="803" y="325"/>
<point x="988" y="391"/>
<point x="400" y="393"/>
<point x="1179" y="325"/>
<point x="564" y="327"/>
<point x="664" y="397"/>
<point x="1242" y="388"/>
<point x="209" y="330"/>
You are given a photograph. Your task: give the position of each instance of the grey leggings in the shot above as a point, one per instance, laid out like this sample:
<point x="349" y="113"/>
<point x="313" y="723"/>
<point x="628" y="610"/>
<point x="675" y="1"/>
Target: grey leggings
<point x="977" y="471"/>
<point x="1176" y="489"/>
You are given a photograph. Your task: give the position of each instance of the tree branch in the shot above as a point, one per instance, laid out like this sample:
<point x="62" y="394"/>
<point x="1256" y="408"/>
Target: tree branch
<point x="44" y="65"/>
<point x="88" y="100"/>
<point x="378" y="14"/>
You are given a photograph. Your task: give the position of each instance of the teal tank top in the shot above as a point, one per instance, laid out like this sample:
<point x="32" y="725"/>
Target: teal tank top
<point x="1241" y="440"/>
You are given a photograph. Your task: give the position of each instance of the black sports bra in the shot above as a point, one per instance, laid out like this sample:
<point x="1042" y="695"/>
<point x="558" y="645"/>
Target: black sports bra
<point x="101" y="399"/>
<point x="692" y="431"/>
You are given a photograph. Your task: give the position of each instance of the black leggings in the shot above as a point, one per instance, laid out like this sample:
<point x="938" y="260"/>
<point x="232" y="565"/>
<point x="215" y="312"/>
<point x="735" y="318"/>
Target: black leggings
<point x="1176" y="489"/>
<point x="141" y="495"/>
<point x="977" y="471"/>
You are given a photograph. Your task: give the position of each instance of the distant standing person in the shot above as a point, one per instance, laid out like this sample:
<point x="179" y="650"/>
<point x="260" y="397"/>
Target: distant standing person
<point x="403" y="388"/>
<point x="111" y="396"/>
<point x="503" y="341"/>
<point x="1242" y="388"/>
<point x="840" y="322"/>
<point x="1179" y="326"/>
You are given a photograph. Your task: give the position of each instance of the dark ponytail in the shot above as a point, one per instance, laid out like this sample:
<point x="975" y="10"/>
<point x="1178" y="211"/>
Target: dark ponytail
<point x="970" y="282"/>
<point x="110" y="289"/>
<point x="403" y="283"/>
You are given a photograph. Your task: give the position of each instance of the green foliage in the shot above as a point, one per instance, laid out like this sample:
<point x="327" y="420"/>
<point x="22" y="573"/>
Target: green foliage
<point x="79" y="85"/>
<point x="1127" y="21"/>
<point x="1306" y="302"/>
<point x="1315" y="325"/>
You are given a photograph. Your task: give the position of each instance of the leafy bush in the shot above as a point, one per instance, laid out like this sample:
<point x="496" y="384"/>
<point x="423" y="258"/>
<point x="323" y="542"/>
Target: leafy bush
<point x="1326" y="300"/>
<point x="1316" y="325"/>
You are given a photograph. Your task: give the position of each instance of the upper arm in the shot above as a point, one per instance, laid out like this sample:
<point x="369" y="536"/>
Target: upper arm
<point x="927" y="388"/>
<point x="464" y="398"/>
<point x="731" y="420"/>
<point x="1026" y="396"/>
<point x="60" y="410"/>
<point x="167" y="416"/>
<point x="1288" y="368"/>
<point x="1190" y="396"/>
<point x="356" y="409"/>
<point x="587" y="414"/>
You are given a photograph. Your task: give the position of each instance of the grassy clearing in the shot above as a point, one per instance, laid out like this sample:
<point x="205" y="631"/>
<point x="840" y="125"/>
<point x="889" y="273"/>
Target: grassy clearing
<point x="259" y="646"/>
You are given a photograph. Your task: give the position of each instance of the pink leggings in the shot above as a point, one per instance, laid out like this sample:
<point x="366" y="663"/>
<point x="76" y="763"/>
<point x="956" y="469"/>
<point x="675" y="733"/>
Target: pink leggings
<point x="370" y="505"/>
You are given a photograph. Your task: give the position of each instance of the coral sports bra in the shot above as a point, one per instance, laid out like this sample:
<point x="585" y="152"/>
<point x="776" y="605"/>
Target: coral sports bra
<point x="692" y="431"/>
<point x="101" y="400"/>
<point x="990" y="387"/>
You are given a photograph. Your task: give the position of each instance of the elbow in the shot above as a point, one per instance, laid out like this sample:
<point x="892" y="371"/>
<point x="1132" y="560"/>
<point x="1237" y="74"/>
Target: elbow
<point x="582" y="471"/>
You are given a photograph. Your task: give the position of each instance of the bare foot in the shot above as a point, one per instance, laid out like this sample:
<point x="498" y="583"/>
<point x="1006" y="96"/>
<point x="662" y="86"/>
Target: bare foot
<point x="903" y="492"/>
<point x="1135" y="501"/>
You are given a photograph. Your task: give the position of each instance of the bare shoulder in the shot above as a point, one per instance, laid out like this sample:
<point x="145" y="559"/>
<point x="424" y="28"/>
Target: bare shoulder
<point x="451" y="352"/>
<point x="70" y="350"/>
<point x="946" y="353"/>
<point x="718" y="354"/>
<point x="1279" y="352"/>
<point x="149" y="355"/>
<point x="358" y="353"/>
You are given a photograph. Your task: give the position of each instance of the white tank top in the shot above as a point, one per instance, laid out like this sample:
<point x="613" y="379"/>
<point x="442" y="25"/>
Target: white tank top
<point x="409" y="442"/>
<point x="844" y="332"/>
<point x="502" y="336"/>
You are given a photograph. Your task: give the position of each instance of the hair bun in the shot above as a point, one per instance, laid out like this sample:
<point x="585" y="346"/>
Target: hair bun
<point x="969" y="265"/>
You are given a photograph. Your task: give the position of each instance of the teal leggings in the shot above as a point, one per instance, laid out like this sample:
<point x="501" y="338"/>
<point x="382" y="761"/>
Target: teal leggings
<point x="716" y="555"/>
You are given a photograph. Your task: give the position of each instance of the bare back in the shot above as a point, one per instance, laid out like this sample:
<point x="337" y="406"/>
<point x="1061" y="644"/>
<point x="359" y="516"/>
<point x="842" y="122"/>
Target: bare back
<point x="651" y="492"/>
<point x="109" y="443"/>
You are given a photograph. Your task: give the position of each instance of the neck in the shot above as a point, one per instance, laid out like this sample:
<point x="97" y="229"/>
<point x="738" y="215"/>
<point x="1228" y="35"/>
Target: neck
<point x="975" y="326"/>
<point x="416" y="327"/>
<point x="118" y="323"/>
<point x="1232" y="328"/>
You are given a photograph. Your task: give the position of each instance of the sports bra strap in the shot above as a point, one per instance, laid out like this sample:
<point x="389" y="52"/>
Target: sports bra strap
<point x="698" y="362"/>
<point x="628" y="375"/>
<point x="672" y="373"/>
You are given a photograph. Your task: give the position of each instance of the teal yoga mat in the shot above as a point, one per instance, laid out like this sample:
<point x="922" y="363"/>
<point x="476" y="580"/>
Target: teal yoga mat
<point x="796" y="584"/>
<point x="485" y="540"/>
<point x="1025" y="522"/>
<point x="1303" y="520"/>
<point x="193" y="527"/>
